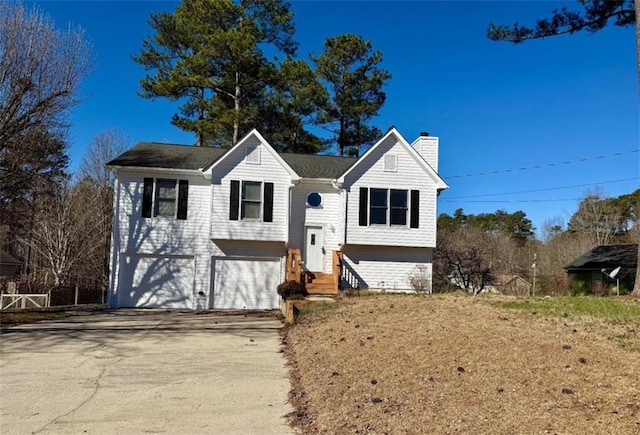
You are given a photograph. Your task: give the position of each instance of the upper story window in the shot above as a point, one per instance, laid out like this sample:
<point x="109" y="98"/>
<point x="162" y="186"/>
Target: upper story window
<point x="389" y="207"/>
<point x="166" y="197"/>
<point x="251" y="200"/>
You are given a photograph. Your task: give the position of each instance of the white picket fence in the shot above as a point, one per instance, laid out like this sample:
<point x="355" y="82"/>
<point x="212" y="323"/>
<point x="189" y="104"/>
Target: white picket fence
<point x="16" y="301"/>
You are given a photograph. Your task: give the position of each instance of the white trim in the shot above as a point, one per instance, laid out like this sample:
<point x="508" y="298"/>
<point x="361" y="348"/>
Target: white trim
<point x="440" y="183"/>
<point x="269" y="148"/>
<point x="138" y="170"/>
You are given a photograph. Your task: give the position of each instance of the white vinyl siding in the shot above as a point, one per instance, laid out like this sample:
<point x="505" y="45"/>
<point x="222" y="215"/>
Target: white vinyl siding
<point x="269" y="171"/>
<point x="159" y="237"/>
<point x="410" y="176"/>
<point x="383" y="268"/>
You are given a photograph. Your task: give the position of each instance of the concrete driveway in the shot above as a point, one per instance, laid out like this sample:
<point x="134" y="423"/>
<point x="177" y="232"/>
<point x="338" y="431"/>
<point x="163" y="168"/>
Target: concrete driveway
<point x="133" y="371"/>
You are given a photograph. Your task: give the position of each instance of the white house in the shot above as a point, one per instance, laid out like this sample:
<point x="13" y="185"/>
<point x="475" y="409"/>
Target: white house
<point x="201" y="228"/>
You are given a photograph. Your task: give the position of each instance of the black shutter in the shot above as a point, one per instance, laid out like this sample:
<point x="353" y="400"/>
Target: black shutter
<point x="234" y="200"/>
<point x="147" y="197"/>
<point x="267" y="212"/>
<point x="364" y="205"/>
<point x="183" y="199"/>
<point x="415" y="208"/>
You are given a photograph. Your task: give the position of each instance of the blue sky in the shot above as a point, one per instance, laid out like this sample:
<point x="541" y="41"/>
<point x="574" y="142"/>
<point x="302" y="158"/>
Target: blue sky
<point x="567" y="105"/>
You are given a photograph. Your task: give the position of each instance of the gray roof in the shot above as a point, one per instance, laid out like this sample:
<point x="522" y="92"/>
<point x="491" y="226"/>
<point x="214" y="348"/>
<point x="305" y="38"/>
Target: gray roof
<point x="607" y="257"/>
<point x="314" y="166"/>
<point x="172" y="156"/>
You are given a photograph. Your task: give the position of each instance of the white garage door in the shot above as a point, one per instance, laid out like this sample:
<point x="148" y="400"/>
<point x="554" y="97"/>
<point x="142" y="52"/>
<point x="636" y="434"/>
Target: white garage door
<point x="156" y="282"/>
<point x="246" y="283"/>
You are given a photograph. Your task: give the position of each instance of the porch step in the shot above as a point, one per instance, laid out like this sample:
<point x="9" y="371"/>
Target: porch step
<point x="321" y="284"/>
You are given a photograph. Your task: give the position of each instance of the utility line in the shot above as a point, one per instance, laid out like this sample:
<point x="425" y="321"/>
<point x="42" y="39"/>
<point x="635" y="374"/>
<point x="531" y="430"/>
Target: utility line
<point x="513" y="200"/>
<point x="546" y="165"/>
<point x="543" y="190"/>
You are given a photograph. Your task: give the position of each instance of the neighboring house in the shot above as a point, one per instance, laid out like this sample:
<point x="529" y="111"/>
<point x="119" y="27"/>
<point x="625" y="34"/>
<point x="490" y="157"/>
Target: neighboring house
<point x="586" y="270"/>
<point x="206" y="228"/>
<point x="9" y="265"/>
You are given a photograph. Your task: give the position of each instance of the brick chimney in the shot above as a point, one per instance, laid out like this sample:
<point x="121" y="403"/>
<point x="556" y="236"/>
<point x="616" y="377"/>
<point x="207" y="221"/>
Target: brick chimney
<point x="427" y="147"/>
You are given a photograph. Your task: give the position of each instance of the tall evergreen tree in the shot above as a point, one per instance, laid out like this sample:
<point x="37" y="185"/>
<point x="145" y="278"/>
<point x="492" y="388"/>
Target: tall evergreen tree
<point x="594" y="16"/>
<point x="351" y="70"/>
<point x="211" y="54"/>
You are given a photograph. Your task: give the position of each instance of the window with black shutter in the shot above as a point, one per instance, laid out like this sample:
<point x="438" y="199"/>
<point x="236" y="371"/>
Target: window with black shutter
<point x="415" y="209"/>
<point x="183" y="199"/>
<point x="147" y="197"/>
<point x="234" y="200"/>
<point x="165" y="197"/>
<point x="267" y="214"/>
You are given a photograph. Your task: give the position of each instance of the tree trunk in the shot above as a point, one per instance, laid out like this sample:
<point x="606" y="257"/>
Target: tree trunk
<point x="636" y="286"/>
<point x="236" y="107"/>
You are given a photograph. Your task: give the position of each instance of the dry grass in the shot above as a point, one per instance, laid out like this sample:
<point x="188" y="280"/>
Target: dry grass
<point x="457" y="364"/>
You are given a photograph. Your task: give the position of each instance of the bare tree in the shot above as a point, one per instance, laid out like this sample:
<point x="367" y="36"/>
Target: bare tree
<point x="40" y="71"/>
<point x="596" y="217"/>
<point x="106" y="146"/>
<point x="94" y="172"/>
<point x="464" y="258"/>
<point x="63" y="232"/>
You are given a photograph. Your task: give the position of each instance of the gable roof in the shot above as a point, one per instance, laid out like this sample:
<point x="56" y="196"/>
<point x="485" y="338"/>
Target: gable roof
<point x="606" y="256"/>
<point x="168" y="156"/>
<point x="440" y="184"/>
<point x="175" y="156"/>
<point x="188" y="157"/>
<point x="314" y="166"/>
<point x="255" y="133"/>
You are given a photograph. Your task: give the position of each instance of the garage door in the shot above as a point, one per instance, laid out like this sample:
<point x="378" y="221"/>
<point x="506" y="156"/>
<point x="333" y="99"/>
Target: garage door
<point x="156" y="282"/>
<point x="246" y="283"/>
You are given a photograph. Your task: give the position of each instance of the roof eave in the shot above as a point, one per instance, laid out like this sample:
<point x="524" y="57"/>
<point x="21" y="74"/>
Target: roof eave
<point x="153" y="169"/>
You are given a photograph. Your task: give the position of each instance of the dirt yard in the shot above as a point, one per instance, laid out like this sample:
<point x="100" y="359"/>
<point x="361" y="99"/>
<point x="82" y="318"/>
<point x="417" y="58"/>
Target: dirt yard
<point x="456" y="364"/>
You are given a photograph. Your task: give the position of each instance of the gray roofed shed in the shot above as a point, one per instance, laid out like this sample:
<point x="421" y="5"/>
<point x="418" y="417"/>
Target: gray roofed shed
<point x="607" y="257"/>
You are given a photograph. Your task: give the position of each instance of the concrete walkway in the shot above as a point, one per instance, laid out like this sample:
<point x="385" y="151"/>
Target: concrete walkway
<point x="133" y="371"/>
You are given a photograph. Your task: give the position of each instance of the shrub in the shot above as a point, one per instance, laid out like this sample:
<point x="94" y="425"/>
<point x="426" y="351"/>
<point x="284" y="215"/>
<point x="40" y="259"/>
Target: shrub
<point x="420" y="279"/>
<point x="292" y="290"/>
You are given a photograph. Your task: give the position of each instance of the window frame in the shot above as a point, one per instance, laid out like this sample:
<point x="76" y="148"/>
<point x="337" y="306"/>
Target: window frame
<point x="158" y="200"/>
<point x="152" y="199"/>
<point x="389" y="207"/>
<point x="244" y="200"/>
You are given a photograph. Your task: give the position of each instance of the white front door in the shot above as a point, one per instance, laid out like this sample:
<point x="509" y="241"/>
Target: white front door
<point x="314" y="255"/>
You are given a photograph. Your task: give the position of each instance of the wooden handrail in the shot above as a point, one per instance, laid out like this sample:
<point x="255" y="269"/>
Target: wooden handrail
<point x="294" y="265"/>
<point x="337" y="269"/>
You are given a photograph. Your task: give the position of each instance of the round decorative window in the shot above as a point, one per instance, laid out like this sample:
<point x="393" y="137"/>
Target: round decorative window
<point x="314" y="199"/>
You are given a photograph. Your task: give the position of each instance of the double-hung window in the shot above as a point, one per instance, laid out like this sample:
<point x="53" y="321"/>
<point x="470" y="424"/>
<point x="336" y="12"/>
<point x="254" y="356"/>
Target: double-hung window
<point x="389" y="207"/>
<point x="251" y="200"/>
<point x="398" y="211"/>
<point x="165" y="197"/>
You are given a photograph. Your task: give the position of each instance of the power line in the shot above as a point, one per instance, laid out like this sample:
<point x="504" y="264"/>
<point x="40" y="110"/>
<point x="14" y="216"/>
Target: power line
<point x="494" y="201"/>
<point x="546" y="165"/>
<point x="543" y="190"/>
